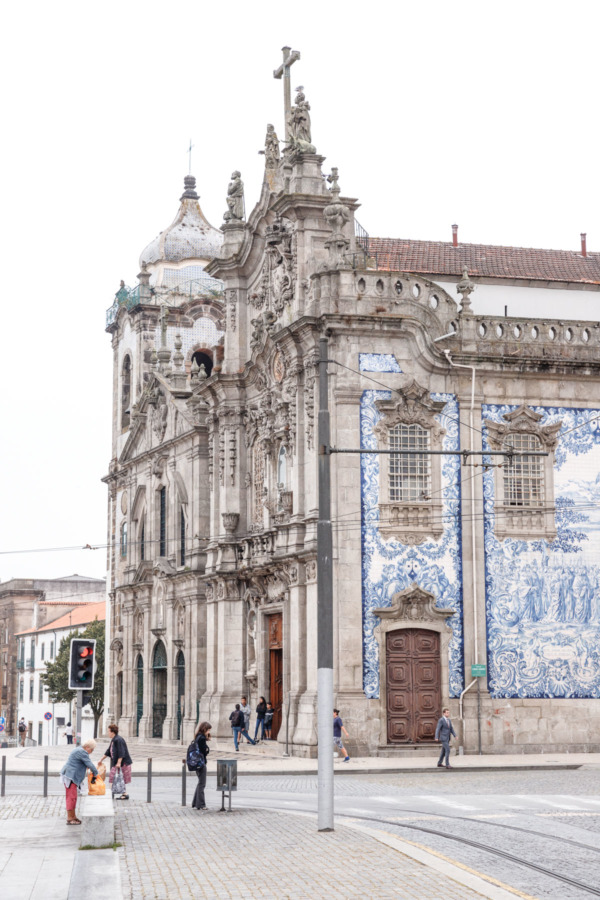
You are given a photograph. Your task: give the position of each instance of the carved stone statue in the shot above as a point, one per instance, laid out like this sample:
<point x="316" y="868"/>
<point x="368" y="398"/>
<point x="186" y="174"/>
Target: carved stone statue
<point x="271" y="148"/>
<point x="235" y="199"/>
<point x="299" y="125"/>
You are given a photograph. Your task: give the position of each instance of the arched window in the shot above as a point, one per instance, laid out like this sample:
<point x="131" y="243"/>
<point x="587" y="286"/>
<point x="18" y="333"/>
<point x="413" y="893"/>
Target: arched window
<point x="126" y="393"/>
<point x="181" y="537"/>
<point x="180" y="667"/>
<point x="162" y="522"/>
<point x="124" y="540"/>
<point x="159" y="689"/>
<point x="203" y="359"/>
<point x="139" y="693"/>
<point x="143" y="542"/>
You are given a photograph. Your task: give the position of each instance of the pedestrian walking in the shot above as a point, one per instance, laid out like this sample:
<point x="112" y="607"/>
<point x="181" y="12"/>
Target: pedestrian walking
<point x="238" y="725"/>
<point x="73" y="774"/>
<point x="338" y="727"/>
<point x="69" y="733"/>
<point x="246" y="710"/>
<point x="269" y="720"/>
<point x="261" y="710"/>
<point x="120" y="760"/>
<point x="201" y="736"/>
<point x="443" y="731"/>
<point x="22" y="729"/>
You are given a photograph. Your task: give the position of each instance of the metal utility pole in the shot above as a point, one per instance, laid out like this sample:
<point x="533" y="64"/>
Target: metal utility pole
<point x="324" y="606"/>
<point x="78" y="720"/>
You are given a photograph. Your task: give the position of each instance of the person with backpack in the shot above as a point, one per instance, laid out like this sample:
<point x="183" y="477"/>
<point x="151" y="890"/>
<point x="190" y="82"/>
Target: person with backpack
<point x="261" y="709"/>
<point x="22" y="731"/>
<point x="238" y="726"/>
<point x="201" y="736"/>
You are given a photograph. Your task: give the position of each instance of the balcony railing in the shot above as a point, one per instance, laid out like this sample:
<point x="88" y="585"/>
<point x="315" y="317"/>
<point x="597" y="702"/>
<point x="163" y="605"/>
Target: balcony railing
<point x="30" y="664"/>
<point x="20" y="664"/>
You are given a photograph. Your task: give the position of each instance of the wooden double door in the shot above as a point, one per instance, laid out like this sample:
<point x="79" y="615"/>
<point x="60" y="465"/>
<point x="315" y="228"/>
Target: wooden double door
<point x="276" y="670"/>
<point x="413" y="679"/>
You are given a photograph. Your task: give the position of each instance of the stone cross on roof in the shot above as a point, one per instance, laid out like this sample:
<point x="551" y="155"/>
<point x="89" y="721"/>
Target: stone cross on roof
<point x="289" y="58"/>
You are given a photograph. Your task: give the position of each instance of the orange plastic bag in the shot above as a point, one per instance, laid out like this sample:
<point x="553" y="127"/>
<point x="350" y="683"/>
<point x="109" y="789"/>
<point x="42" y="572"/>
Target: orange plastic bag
<point x="99" y="788"/>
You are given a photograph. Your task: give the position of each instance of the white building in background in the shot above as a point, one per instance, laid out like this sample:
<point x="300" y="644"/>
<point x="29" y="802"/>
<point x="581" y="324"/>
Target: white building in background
<point x="35" y="648"/>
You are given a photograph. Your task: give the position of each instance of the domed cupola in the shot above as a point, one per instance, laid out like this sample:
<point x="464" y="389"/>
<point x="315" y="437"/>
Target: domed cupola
<point x="180" y="252"/>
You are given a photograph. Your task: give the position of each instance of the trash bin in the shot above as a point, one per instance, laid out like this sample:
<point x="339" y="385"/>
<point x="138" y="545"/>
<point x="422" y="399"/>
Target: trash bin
<point x="226" y="779"/>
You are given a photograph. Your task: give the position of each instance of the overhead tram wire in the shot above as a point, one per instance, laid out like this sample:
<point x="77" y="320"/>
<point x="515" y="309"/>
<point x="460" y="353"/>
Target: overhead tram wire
<point x="358" y="522"/>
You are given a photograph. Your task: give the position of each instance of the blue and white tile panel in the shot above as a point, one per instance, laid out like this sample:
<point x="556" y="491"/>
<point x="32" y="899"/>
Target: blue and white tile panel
<point x="543" y="598"/>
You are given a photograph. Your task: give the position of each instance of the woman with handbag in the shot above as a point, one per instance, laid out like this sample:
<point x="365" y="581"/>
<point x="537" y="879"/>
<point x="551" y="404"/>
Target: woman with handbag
<point x="201" y="737"/>
<point x="120" y="764"/>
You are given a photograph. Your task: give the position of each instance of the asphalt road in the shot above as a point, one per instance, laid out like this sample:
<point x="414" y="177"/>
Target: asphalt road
<point x="550" y="819"/>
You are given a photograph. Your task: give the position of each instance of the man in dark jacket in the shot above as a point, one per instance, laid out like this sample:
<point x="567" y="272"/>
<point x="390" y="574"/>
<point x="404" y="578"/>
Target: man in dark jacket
<point x="239" y="726"/>
<point x="442" y="733"/>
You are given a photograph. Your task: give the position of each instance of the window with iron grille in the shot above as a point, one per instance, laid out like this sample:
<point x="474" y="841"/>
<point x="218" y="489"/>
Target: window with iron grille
<point x="524" y="477"/>
<point x="409" y="474"/>
<point x="163" y="522"/>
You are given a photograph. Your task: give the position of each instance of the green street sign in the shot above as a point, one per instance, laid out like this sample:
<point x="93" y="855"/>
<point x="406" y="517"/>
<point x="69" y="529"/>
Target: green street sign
<point x="478" y="670"/>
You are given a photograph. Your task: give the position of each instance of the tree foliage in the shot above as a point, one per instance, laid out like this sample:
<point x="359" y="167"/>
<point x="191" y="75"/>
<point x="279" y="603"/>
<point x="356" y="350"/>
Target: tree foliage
<point x="56" y="676"/>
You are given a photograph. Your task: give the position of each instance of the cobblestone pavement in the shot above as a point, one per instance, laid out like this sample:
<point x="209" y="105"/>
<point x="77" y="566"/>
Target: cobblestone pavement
<point x="32" y="807"/>
<point x="171" y="852"/>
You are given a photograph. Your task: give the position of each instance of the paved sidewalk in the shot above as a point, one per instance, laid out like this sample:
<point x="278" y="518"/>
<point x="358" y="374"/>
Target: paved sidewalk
<point x="267" y="760"/>
<point x="175" y="853"/>
<point x="40" y="857"/>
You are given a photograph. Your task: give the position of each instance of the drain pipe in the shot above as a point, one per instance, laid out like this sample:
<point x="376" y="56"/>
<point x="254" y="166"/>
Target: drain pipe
<point x="473" y="554"/>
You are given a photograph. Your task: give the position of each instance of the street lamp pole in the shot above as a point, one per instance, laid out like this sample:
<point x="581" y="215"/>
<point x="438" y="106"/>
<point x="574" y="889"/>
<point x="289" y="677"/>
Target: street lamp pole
<point x="324" y="605"/>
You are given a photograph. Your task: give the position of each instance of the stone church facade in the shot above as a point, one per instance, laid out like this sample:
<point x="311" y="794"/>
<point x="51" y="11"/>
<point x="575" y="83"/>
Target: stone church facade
<point x="444" y="557"/>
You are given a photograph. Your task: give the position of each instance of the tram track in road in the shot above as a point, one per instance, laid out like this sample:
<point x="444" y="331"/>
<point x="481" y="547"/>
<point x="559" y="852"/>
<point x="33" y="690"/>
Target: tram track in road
<point x="486" y="848"/>
<point x="496" y="824"/>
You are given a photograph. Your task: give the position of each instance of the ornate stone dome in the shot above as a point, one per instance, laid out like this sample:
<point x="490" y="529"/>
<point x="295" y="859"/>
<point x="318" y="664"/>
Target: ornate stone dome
<point x="190" y="236"/>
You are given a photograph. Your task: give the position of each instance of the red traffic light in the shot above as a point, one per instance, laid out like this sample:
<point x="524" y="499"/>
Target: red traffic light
<point x="87" y="652"/>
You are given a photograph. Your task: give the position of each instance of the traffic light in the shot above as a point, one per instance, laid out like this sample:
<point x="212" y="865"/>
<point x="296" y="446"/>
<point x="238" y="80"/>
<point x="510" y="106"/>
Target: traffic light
<point x="82" y="664"/>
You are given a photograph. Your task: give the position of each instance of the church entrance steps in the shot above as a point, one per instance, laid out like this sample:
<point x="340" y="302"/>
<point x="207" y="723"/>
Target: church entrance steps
<point x="409" y="751"/>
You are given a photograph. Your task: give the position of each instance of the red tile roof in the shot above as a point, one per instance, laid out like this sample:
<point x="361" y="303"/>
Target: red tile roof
<point x="80" y="615"/>
<point x="485" y="261"/>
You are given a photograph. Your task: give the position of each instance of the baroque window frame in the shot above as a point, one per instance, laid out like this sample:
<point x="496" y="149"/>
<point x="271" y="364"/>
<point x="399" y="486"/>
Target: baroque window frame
<point x="527" y="522"/>
<point x="410" y="521"/>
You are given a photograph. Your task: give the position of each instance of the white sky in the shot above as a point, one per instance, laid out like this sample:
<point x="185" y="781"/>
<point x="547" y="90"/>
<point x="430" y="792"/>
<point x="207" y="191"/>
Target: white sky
<point x="477" y="113"/>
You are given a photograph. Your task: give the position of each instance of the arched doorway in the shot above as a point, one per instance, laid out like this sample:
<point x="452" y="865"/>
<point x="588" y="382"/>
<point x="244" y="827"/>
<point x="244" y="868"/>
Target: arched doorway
<point x="413" y="678"/>
<point x="159" y="689"/>
<point x="139" y="694"/>
<point x="180" y="682"/>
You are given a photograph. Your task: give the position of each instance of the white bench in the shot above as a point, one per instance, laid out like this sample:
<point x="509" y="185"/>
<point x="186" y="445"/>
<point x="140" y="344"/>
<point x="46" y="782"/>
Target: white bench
<point x="97" y="821"/>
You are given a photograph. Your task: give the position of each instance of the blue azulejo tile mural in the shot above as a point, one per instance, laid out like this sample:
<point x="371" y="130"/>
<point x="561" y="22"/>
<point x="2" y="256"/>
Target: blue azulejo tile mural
<point x="543" y="597"/>
<point x="378" y="362"/>
<point x="389" y="566"/>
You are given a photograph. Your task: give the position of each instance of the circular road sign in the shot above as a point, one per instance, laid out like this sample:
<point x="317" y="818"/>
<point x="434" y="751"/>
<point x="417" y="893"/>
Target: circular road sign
<point x="1" y="727"/>
<point x="47" y="716"/>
